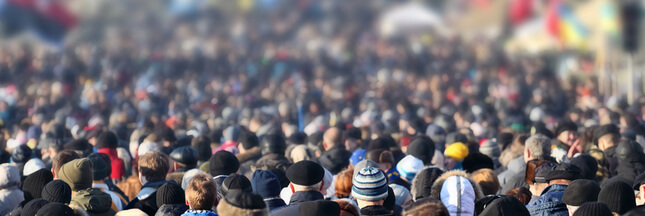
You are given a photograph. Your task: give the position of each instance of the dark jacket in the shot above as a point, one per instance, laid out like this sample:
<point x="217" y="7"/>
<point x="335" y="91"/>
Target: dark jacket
<point x="550" y="202"/>
<point x="335" y="159"/>
<point x="248" y="159"/>
<point x="296" y="199"/>
<point x="273" y="160"/>
<point x="610" y="154"/>
<point x="146" y="200"/>
<point x="171" y="210"/>
<point x="274" y="203"/>
<point x="375" y="210"/>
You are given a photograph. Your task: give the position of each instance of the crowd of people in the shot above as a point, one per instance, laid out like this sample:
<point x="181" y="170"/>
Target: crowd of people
<point x="302" y="108"/>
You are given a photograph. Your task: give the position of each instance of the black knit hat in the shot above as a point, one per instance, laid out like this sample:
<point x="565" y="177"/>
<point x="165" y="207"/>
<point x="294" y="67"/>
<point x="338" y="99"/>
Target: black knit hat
<point x="305" y="173"/>
<point x="505" y="205"/>
<point x="422" y="147"/>
<point x="55" y="209"/>
<point x="618" y="195"/>
<point x="99" y="166"/>
<point x="248" y="140"/>
<point x="640" y="180"/>
<point x="236" y="182"/>
<point x="57" y="191"/>
<point x="298" y="138"/>
<point x="223" y="163"/>
<point x="185" y="155"/>
<point x="604" y="130"/>
<point x="170" y="193"/>
<point x="424" y="180"/>
<point x="475" y="161"/>
<point x="273" y="143"/>
<point x="32" y="207"/>
<point x="107" y="139"/>
<point x="581" y="191"/>
<point x="244" y="200"/>
<point x="565" y="126"/>
<point x="35" y="182"/>
<point x="593" y="209"/>
<point x="319" y="208"/>
<point x="21" y="154"/>
<point x="587" y="164"/>
<point x="564" y="171"/>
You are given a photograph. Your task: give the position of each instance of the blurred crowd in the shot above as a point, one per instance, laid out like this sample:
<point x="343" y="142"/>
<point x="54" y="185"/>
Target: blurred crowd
<point x="303" y="108"/>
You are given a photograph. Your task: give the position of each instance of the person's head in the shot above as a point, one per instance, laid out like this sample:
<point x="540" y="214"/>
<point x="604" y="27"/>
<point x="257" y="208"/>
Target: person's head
<point x="567" y="132"/>
<point x="77" y="174"/>
<point x="81" y="146"/>
<point x="618" y="195"/>
<point x="99" y="166"/>
<point x="593" y="209"/>
<point x="247" y="141"/>
<point x="487" y="179"/>
<point x="426" y="207"/>
<point x="537" y="147"/>
<point x="587" y="164"/>
<point x="107" y="139"/>
<point x="422" y="147"/>
<point x="241" y="203"/>
<point x="184" y="157"/>
<point x="343" y="183"/>
<point x="32" y="207"/>
<point x="408" y="167"/>
<point x="522" y="194"/>
<point x="402" y="195"/>
<point x="223" y="163"/>
<point x="33" y="185"/>
<point x="331" y="138"/>
<point x="10" y="177"/>
<point x="305" y="176"/>
<point x="62" y="158"/>
<point x="384" y="158"/>
<point x="236" y="182"/>
<point x="563" y="174"/>
<point x="57" y="191"/>
<point x="170" y="193"/>
<point x="476" y="161"/>
<point x="203" y="146"/>
<point x="201" y="192"/>
<point x="319" y="208"/>
<point x="55" y="209"/>
<point x="353" y="137"/>
<point x="500" y="205"/>
<point x="266" y="184"/>
<point x="273" y="144"/>
<point x="454" y="154"/>
<point x="422" y="183"/>
<point x="369" y="187"/>
<point x="579" y="192"/>
<point x="153" y="166"/>
<point x="606" y="136"/>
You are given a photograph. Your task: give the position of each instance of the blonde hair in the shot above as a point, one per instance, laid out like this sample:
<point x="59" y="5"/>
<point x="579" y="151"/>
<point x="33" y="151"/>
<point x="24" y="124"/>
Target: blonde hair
<point x="201" y="192"/>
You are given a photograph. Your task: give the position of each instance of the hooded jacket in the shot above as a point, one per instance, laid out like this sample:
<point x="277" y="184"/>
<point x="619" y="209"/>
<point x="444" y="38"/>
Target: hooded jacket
<point x="549" y="202"/>
<point x="171" y="210"/>
<point x="118" y="168"/>
<point x="10" y="194"/>
<point x="458" y="192"/>
<point x="94" y="202"/>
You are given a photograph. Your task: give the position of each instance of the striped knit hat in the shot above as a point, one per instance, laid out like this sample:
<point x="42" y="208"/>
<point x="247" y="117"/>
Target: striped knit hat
<point x="369" y="185"/>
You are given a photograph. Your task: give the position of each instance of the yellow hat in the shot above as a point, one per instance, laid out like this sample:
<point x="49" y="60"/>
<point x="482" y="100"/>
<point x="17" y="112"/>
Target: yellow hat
<point x="457" y="151"/>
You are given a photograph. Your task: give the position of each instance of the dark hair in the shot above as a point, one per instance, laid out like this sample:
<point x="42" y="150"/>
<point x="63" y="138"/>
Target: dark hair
<point x="62" y="158"/>
<point x="426" y="207"/>
<point x="203" y="146"/>
<point x="522" y="194"/>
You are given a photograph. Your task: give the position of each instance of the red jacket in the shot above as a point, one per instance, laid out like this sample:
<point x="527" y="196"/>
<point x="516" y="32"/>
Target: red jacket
<point x="118" y="169"/>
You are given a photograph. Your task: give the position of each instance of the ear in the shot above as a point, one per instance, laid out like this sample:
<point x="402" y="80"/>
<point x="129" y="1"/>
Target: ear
<point x="175" y="165"/>
<point x="324" y="144"/>
<point x="53" y="173"/>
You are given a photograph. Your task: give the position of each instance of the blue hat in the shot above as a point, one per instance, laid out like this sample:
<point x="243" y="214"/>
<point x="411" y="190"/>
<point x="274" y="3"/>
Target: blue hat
<point x="369" y="185"/>
<point x="357" y="156"/>
<point x="266" y="184"/>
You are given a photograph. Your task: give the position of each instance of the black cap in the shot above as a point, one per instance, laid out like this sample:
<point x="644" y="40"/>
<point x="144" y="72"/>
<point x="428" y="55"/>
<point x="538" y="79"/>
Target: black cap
<point x="236" y="182"/>
<point x="475" y="161"/>
<point x="593" y="209"/>
<point x="587" y="164"/>
<point x="57" y="191"/>
<point x="604" y="130"/>
<point x="298" y="138"/>
<point x="305" y="173"/>
<point x="505" y="205"/>
<point x="542" y="171"/>
<point x="185" y="155"/>
<point x="223" y="163"/>
<point x="32" y="207"/>
<point x="248" y="140"/>
<point x="35" y="182"/>
<point x="628" y="149"/>
<point x="107" y="139"/>
<point x="319" y="208"/>
<point x="99" y="166"/>
<point x="353" y="133"/>
<point x="170" y="193"/>
<point x="273" y="143"/>
<point x="581" y="191"/>
<point x="618" y="195"/>
<point x="55" y="209"/>
<point x="564" y="171"/>
<point x="244" y="200"/>
<point x="422" y="147"/>
<point x="565" y="126"/>
<point x="21" y="154"/>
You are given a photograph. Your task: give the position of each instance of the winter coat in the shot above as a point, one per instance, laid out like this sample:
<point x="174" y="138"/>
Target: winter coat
<point x="515" y="167"/>
<point x="273" y="160"/>
<point x="131" y="186"/>
<point x="296" y="199"/>
<point x="146" y="200"/>
<point x="10" y="194"/>
<point x="248" y="159"/>
<point x="465" y="189"/>
<point x="375" y="210"/>
<point x="94" y="202"/>
<point x="118" y="169"/>
<point x="171" y="210"/>
<point x="274" y="203"/>
<point x="550" y="202"/>
<point x="199" y="213"/>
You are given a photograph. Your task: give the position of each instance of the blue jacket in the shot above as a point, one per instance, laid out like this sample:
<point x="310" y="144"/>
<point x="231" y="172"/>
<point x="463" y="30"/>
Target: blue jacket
<point x="294" y="203"/>
<point x="192" y="212"/>
<point x="550" y="202"/>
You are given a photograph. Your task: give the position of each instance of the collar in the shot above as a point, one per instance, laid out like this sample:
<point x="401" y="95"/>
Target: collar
<point x="304" y="196"/>
<point x="100" y="186"/>
<point x="109" y="151"/>
<point x="554" y="188"/>
<point x="199" y="211"/>
<point x="149" y="188"/>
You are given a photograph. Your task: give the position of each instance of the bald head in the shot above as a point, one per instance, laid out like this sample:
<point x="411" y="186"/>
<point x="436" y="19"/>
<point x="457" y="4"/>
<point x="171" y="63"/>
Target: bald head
<point x="331" y="138"/>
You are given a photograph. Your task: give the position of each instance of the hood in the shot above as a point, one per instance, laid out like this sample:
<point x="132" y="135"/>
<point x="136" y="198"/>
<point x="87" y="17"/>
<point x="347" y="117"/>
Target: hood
<point x="11" y="176"/>
<point x="253" y="153"/>
<point x="438" y="189"/>
<point x="94" y="201"/>
<point x="423" y="182"/>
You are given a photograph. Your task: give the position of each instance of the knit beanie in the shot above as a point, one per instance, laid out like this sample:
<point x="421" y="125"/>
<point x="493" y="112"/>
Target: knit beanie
<point x="369" y="185"/>
<point x="505" y="206"/>
<point x="99" y="166"/>
<point x="422" y="147"/>
<point x="581" y="191"/>
<point x="32" y="166"/>
<point x="170" y="193"/>
<point x="457" y="151"/>
<point x="107" y="139"/>
<point x="409" y="166"/>
<point x="364" y="163"/>
<point x="490" y="148"/>
<point x="223" y="163"/>
<point x="34" y="184"/>
<point x="32" y="207"/>
<point x="188" y="175"/>
<point x="593" y="209"/>
<point x="618" y="195"/>
<point x="565" y="126"/>
<point x="55" y="209"/>
<point x="266" y="184"/>
<point x="57" y="191"/>
<point x="236" y="182"/>
<point x="77" y="174"/>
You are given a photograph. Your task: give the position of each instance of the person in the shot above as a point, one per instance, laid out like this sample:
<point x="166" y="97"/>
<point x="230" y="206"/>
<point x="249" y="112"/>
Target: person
<point x="153" y="167"/>
<point x="593" y="209"/>
<point x="631" y="161"/>
<point x="273" y="148"/>
<point x="55" y="209"/>
<point x="306" y="183"/>
<point x="487" y="179"/>
<point x="19" y="156"/>
<point x="423" y="181"/>
<point x="106" y="143"/>
<point x="236" y="182"/>
<point x="402" y="195"/>
<point x="62" y="158"/>
<point x="184" y="158"/>
<point x="606" y="138"/>
<point x="32" y="188"/>
<point x="267" y="185"/>
<point x="171" y="200"/>
<point x="32" y="207"/>
<point x="320" y="208"/>
<point x="222" y="164"/>
<point x="408" y="168"/>
<point x="522" y="194"/>
<point x="78" y="175"/>
<point x="578" y="192"/>
<point x="566" y="134"/>
<point x="369" y="188"/>
<point x="203" y="146"/>
<point x="457" y="191"/>
<point x="248" y="145"/>
<point x="550" y="200"/>
<point x="346" y="208"/>
<point x="201" y="196"/>
<point x="241" y="203"/>
<point x="504" y="205"/>
<point x="335" y="157"/>
<point x="454" y="154"/>
<point x="353" y="139"/>
<point x="10" y="194"/>
<point x="100" y="172"/>
<point x="343" y="184"/>
<point x="422" y="147"/>
<point x="537" y="147"/>
<point x="618" y="195"/>
<point x="426" y="207"/>
<point x="57" y="191"/>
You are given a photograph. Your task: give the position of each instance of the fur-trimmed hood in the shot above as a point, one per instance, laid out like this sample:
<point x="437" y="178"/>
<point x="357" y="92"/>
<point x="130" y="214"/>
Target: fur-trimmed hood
<point x="224" y="208"/>
<point x="423" y="182"/>
<point x="438" y="184"/>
